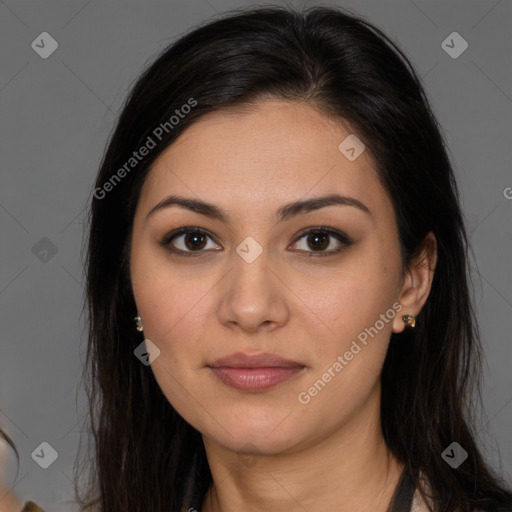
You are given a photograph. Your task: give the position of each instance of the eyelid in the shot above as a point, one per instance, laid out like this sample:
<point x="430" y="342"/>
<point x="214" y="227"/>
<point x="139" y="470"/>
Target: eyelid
<point x="327" y="230"/>
<point x="340" y="236"/>
<point x="181" y="230"/>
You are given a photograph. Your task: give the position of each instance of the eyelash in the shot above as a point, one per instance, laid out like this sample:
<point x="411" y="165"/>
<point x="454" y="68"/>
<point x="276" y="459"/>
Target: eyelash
<point x="338" y="235"/>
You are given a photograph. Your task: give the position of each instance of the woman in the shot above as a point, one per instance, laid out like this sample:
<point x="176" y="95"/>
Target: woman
<point x="277" y="212"/>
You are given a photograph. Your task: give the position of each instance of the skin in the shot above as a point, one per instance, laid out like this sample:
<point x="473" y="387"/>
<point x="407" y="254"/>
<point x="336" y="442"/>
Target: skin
<point x="266" y="450"/>
<point x="9" y="502"/>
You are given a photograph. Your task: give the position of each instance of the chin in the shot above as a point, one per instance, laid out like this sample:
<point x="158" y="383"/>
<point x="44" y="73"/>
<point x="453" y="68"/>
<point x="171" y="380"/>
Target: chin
<point x="269" y="433"/>
<point x="256" y="442"/>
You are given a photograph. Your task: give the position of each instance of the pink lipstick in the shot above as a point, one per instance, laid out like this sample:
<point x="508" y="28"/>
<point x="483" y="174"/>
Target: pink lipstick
<point x="254" y="373"/>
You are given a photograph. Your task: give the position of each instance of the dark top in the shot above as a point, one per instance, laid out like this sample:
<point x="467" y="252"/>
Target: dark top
<point x="30" y="506"/>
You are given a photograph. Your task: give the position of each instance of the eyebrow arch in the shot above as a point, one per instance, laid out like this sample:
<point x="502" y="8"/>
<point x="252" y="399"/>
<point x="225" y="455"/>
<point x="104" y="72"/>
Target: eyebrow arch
<point x="283" y="213"/>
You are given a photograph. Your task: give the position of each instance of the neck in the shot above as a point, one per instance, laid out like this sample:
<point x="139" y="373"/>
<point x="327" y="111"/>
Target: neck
<point x="352" y="469"/>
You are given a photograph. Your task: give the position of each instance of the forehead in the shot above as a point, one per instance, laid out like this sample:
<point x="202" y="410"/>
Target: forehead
<point x="262" y="156"/>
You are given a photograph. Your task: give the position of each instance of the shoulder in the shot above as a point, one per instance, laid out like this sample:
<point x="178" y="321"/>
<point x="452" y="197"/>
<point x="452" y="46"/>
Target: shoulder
<point x="420" y="505"/>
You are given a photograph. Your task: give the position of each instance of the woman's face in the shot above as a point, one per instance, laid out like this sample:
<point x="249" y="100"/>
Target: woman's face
<point x="262" y="280"/>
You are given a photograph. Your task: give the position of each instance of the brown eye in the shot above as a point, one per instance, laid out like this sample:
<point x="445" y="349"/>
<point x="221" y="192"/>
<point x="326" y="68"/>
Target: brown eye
<point x="194" y="241"/>
<point x="187" y="241"/>
<point x="317" y="240"/>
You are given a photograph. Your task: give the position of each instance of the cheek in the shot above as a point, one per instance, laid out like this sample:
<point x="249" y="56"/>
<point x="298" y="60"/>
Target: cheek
<point x="171" y="311"/>
<point x="158" y="287"/>
<point x="357" y="306"/>
<point x="172" y="308"/>
<point x="349" y="299"/>
<point x="359" y="312"/>
<point x="168" y="299"/>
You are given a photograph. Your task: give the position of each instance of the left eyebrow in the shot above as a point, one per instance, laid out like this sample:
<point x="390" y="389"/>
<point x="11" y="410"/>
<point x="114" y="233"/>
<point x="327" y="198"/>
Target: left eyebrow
<point x="285" y="212"/>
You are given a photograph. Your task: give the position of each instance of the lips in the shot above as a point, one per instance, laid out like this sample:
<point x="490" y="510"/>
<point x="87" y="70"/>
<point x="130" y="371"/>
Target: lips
<point x="241" y="360"/>
<point x="254" y="373"/>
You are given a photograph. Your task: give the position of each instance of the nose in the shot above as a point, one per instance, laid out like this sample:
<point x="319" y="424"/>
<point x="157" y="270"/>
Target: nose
<point x="253" y="298"/>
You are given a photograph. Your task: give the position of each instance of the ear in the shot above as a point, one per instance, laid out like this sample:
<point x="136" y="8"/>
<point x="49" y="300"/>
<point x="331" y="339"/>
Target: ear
<point x="417" y="282"/>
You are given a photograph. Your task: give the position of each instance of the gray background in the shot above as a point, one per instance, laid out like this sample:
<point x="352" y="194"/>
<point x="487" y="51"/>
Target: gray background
<point x="56" y="115"/>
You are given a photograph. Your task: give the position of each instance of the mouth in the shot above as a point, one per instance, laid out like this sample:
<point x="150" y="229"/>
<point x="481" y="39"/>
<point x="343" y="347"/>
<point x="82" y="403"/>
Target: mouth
<point x="253" y="373"/>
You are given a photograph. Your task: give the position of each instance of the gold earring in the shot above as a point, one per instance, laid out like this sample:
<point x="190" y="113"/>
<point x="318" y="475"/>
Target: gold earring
<point x="410" y="320"/>
<point x="139" y="323"/>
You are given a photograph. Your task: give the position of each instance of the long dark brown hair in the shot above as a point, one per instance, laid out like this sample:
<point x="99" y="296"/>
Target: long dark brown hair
<point x="146" y="457"/>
